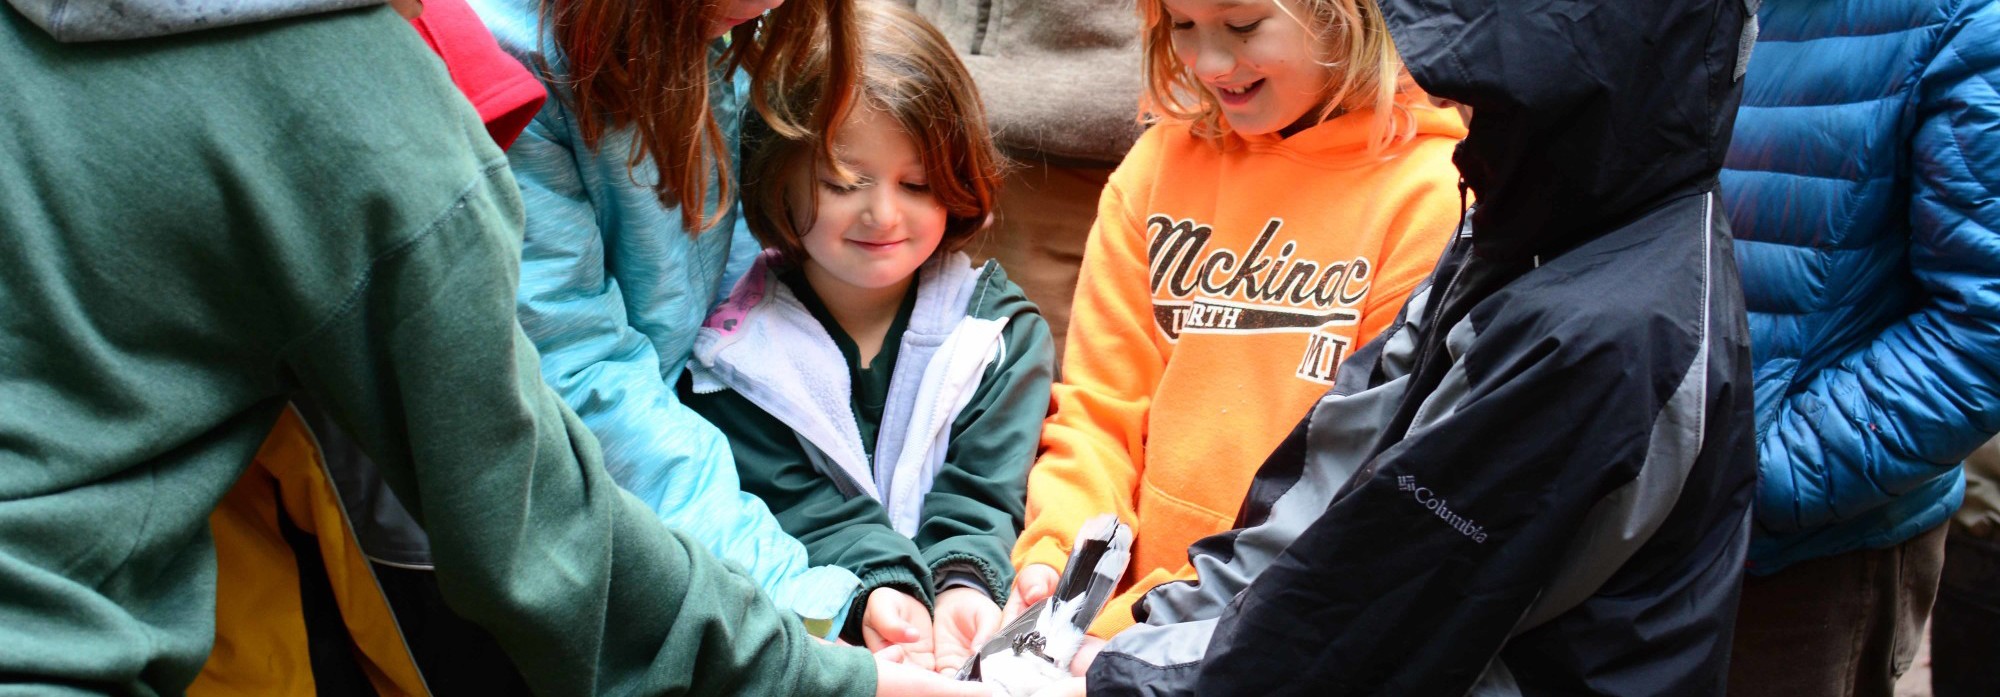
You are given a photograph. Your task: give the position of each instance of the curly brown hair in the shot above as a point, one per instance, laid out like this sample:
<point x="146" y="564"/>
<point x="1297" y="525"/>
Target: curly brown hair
<point x="909" y="73"/>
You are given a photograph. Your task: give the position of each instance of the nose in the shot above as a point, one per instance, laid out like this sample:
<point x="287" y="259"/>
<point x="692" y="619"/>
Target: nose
<point x="1213" y="60"/>
<point x="882" y="212"/>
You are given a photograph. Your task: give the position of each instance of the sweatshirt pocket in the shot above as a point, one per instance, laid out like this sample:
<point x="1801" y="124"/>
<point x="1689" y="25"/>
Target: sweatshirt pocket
<point x="1168" y="524"/>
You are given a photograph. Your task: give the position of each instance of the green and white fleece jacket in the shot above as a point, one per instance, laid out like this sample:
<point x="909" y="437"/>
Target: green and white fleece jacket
<point x="944" y="494"/>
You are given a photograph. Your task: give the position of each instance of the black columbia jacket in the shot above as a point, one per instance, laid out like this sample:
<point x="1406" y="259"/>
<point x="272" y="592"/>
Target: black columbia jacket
<point x="1539" y="482"/>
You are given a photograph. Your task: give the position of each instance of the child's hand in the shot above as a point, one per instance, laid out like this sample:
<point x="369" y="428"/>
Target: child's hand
<point x="894" y="618"/>
<point x="1086" y="654"/>
<point x="1031" y="585"/>
<point x="965" y="618"/>
<point x="896" y="680"/>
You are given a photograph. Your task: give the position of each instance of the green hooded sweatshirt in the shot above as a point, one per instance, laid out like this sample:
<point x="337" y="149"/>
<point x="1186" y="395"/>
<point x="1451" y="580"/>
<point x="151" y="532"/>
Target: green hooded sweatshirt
<point x="200" y="225"/>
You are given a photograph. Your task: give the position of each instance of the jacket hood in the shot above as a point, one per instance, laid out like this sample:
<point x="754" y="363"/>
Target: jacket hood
<point x="1585" y="114"/>
<point x="942" y="356"/>
<point x="72" y="21"/>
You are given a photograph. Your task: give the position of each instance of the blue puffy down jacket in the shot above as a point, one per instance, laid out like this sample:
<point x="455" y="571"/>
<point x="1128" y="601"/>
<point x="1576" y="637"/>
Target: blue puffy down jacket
<point x="1863" y="185"/>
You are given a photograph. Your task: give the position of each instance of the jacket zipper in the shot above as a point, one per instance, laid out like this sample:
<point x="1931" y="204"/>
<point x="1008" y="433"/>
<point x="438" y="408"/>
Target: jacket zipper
<point x="1435" y="312"/>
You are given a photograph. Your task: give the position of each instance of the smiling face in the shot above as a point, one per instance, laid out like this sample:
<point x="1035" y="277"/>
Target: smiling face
<point x="734" y="12"/>
<point x="873" y="233"/>
<point x="1254" y="58"/>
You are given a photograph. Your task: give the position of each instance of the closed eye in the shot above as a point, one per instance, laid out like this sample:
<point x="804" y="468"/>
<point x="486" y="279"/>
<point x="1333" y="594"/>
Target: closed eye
<point x="1245" y="29"/>
<point x="840" y="188"/>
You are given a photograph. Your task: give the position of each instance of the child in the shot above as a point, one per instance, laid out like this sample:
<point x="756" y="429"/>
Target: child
<point x="1539" y="482"/>
<point x="627" y="180"/>
<point x="882" y="395"/>
<point x="1294" y="191"/>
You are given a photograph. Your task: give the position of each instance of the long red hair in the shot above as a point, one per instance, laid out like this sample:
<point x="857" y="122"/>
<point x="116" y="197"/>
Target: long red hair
<point x="644" y="64"/>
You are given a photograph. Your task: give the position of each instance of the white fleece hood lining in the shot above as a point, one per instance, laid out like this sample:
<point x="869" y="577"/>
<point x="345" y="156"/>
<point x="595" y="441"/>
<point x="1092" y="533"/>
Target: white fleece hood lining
<point x="941" y="359"/>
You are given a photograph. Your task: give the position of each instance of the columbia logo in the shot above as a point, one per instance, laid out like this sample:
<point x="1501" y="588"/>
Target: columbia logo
<point x="1437" y="505"/>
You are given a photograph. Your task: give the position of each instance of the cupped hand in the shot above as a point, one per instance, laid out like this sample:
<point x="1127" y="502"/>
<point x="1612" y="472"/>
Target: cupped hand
<point x="895" y="618"/>
<point x="1031" y="585"/>
<point x="965" y="618"/>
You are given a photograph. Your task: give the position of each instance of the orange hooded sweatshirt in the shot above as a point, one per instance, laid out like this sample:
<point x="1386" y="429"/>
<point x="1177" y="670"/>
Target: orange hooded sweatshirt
<point x="1223" y="282"/>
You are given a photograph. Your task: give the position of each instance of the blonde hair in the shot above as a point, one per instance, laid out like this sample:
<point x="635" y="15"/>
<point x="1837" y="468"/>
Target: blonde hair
<point x="1349" y="37"/>
<point x="909" y="73"/>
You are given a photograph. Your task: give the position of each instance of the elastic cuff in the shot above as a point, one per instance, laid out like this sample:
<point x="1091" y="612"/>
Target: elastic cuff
<point x="991" y="579"/>
<point x="961" y="579"/>
<point x="900" y="579"/>
<point x="887" y="577"/>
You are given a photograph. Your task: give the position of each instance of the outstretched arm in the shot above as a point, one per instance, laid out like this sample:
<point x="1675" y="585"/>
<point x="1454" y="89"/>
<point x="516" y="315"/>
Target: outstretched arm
<point x="850" y="532"/>
<point x="1094" y="443"/>
<point x="1414" y="578"/>
<point x="604" y="368"/>
<point x="975" y="503"/>
<point x="579" y="581"/>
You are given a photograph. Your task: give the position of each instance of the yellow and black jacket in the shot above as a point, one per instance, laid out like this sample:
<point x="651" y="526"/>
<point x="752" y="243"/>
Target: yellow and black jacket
<point x="313" y="600"/>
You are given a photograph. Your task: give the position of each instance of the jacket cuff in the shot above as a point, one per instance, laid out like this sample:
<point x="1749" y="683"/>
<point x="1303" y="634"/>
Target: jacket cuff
<point x="820" y="596"/>
<point x="1119" y="675"/>
<point x="895" y="577"/>
<point x="956" y="578"/>
<point x="993" y="580"/>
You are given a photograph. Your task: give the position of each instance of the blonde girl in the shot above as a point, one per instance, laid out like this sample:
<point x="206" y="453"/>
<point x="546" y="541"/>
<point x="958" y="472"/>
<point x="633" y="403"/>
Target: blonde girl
<point x="1292" y="192"/>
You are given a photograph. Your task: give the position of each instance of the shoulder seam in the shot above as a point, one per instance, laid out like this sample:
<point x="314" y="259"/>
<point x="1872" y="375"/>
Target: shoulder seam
<point x="367" y="277"/>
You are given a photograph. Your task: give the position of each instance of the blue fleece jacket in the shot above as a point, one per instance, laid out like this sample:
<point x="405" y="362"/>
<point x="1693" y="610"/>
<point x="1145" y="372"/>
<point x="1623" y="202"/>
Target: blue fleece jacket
<point x="613" y="290"/>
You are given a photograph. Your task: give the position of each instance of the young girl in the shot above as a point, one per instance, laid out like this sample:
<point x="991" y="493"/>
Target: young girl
<point x="1294" y="191"/>
<point x="883" y="395"/>
<point x="627" y="179"/>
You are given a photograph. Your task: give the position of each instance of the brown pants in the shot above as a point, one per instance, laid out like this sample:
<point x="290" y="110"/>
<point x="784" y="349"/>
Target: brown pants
<point x="1842" y="626"/>
<point x="1965" y="627"/>
<point x="1046" y="213"/>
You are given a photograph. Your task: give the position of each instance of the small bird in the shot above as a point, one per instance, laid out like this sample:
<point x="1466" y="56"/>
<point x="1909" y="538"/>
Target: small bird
<point x="1036" y="648"/>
